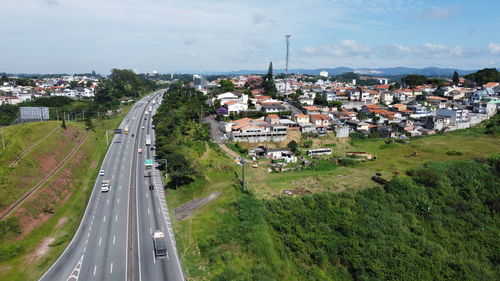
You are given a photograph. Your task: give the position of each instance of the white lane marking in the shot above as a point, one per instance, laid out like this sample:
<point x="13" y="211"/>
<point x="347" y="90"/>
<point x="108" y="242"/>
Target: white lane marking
<point x="148" y="211"/>
<point x="147" y="194"/>
<point x="111" y="268"/>
<point x="86" y="242"/>
<point x="114" y="237"/>
<point x="90" y="229"/>
<point x="104" y="219"/>
<point x="99" y="241"/>
<point x="150" y="230"/>
<point x="95" y="268"/>
<point x="107" y="202"/>
<point x="116" y="217"/>
<point x="84" y="249"/>
<point x="154" y="260"/>
<point x="120" y="187"/>
<point x="159" y="210"/>
<point x="118" y="201"/>
<point x="115" y="167"/>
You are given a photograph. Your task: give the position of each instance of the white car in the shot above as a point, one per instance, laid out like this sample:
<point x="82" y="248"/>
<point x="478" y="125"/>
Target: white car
<point x="105" y="186"/>
<point x="101" y="173"/>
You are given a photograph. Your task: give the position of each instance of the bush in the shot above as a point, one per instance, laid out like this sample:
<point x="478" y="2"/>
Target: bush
<point x="454" y="152"/>
<point x="348" y="162"/>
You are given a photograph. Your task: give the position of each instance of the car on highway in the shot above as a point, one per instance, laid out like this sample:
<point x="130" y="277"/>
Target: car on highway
<point x="139" y="150"/>
<point x="101" y="173"/>
<point x="105" y="186"/>
<point x="151" y="187"/>
<point x="142" y="127"/>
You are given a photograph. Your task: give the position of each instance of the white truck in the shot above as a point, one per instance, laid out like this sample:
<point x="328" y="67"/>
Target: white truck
<point x="148" y="140"/>
<point x="159" y="244"/>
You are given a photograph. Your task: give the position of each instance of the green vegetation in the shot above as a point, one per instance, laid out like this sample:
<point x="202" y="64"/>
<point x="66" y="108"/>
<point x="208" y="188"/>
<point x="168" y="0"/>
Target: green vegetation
<point x="181" y="135"/>
<point x="268" y="83"/>
<point x="440" y="222"/>
<point x="414" y="80"/>
<point x="484" y="76"/>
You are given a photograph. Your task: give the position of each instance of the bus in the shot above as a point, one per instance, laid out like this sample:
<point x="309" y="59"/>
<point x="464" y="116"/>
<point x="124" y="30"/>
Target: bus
<point x="319" y="151"/>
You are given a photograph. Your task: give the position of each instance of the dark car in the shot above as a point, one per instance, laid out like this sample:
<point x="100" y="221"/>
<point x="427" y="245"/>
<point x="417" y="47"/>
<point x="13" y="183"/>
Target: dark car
<point x="151" y="187"/>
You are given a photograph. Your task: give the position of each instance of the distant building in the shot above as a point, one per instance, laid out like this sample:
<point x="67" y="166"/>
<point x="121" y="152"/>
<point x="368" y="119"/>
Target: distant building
<point x="323" y="73"/>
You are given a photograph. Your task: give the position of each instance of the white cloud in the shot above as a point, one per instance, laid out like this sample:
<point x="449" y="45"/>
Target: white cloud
<point x="494" y="48"/>
<point x="345" y="48"/>
<point x="439" y="13"/>
<point x="351" y="48"/>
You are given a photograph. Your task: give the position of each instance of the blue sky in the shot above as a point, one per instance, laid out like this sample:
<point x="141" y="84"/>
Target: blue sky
<point x="53" y="36"/>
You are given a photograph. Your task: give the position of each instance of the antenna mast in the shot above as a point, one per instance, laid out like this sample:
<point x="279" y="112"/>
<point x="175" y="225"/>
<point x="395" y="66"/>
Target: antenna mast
<point x="287" y="37"/>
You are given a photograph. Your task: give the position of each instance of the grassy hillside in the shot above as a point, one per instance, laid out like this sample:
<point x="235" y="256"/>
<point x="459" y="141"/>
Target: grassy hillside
<point x="34" y="236"/>
<point x="42" y="158"/>
<point x="439" y="223"/>
<point x="438" y="219"/>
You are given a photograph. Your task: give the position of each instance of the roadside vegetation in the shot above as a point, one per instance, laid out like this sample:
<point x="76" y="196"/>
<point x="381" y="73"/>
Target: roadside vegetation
<point x="38" y="231"/>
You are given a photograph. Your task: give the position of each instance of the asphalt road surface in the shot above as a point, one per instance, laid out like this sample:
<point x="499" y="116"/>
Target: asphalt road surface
<point x="114" y="240"/>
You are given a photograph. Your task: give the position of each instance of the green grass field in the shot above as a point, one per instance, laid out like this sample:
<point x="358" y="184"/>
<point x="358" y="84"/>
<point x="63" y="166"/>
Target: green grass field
<point x="391" y="158"/>
<point x="67" y="193"/>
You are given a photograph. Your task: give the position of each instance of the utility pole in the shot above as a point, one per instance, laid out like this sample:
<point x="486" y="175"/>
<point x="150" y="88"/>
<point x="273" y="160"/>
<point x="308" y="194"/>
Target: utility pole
<point x="243" y="182"/>
<point x="83" y="114"/>
<point x="107" y="141"/>
<point x="3" y="141"/>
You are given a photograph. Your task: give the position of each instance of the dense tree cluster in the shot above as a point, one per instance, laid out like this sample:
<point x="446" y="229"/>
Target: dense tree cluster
<point x="441" y="222"/>
<point x="484" y="76"/>
<point x="180" y="130"/>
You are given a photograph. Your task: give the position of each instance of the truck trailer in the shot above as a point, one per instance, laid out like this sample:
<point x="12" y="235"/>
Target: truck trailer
<point x="159" y="244"/>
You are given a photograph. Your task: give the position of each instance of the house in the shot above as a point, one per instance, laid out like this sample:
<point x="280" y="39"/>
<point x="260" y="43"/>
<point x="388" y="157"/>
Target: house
<point x="486" y="107"/>
<point x="320" y="120"/>
<point x="272" y="108"/>
<point x="311" y="110"/>
<point x="330" y="96"/>
<point x="278" y="153"/>
<point x="9" y="100"/>
<point x="456" y="115"/>
<point x="301" y="118"/>
<point x="235" y="107"/>
<point x="255" y="130"/>
<point x="386" y="97"/>
<point x="272" y="119"/>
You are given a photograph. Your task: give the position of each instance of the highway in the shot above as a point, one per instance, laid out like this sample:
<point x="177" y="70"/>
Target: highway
<point x="114" y="239"/>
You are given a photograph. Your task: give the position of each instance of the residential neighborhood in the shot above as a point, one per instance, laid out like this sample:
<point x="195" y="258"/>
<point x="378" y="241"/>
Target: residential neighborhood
<point x="377" y="110"/>
<point x="72" y="86"/>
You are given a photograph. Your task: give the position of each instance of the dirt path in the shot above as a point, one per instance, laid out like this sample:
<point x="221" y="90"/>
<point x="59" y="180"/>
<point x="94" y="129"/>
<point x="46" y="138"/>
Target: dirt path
<point x="56" y="169"/>
<point x="185" y="210"/>
<point x="30" y="148"/>
<point x="228" y="150"/>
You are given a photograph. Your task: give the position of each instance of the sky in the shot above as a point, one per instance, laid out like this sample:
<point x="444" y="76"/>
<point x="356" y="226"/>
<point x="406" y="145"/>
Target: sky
<point x="75" y="36"/>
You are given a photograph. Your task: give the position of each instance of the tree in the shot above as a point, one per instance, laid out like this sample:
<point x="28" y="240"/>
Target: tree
<point x="268" y="83"/>
<point x="63" y="124"/>
<point x="456" y="78"/>
<point x="179" y="169"/>
<point x="484" y="75"/>
<point x="319" y="100"/>
<point x="335" y="103"/>
<point x="226" y="85"/>
<point x="361" y="115"/>
<point x="293" y="146"/>
<point x="395" y="86"/>
<point x="88" y="124"/>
